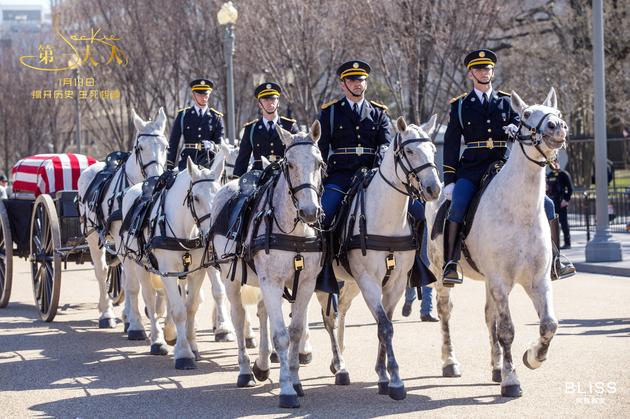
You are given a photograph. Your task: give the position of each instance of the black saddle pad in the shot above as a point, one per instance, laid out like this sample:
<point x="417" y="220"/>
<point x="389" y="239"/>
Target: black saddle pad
<point x="153" y="189"/>
<point x="95" y="192"/>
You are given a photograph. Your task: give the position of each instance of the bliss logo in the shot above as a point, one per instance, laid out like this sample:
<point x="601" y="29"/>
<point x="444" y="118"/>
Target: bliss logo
<point x="590" y="392"/>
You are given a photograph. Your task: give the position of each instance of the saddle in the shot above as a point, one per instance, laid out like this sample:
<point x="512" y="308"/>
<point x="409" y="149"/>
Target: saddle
<point x="440" y="219"/>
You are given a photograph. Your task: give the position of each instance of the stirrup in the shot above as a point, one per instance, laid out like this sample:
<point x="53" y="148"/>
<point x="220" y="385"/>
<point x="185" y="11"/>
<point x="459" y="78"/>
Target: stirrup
<point x="450" y="282"/>
<point x="555" y="274"/>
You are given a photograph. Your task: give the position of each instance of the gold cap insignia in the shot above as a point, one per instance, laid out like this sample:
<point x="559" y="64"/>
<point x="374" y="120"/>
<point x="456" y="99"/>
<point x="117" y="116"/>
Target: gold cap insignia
<point x="203" y="82"/>
<point x="268" y="86"/>
<point x="355" y="65"/>
<point x="482" y="54"/>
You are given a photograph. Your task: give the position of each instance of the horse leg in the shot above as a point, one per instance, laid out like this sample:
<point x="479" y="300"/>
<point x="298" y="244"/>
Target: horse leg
<point x="160" y="303"/>
<point x="337" y="364"/>
<point x="106" y="319"/>
<point x="389" y="381"/>
<point x="346" y="295"/>
<point x="132" y="288"/>
<point x="245" y="376"/>
<point x="306" y="350"/>
<point x="297" y="329"/>
<point x="250" y="336"/>
<point x="158" y="346"/>
<point x="184" y="357"/>
<point x="261" y="364"/>
<point x="170" y="333"/>
<point x="272" y="296"/>
<point x="510" y="385"/>
<point x="542" y="297"/>
<point x="450" y="364"/>
<point x="223" y="329"/>
<point x="193" y="299"/>
<point x="496" y="356"/>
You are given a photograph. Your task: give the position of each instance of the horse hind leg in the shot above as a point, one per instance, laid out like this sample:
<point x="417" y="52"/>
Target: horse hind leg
<point x="193" y="299"/>
<point x="306" y="350"/>
<point x="542" y="298"/>
<point x="337" y="364"/>
<point x="245" y="376"/>
<point x="510" y="385"/>
<point x="261" y="364"/>
<point x="106" y="318"/>
<point x="222" y="325"/>
<point x="496" y="356"/>
<point x="450" y="364"/>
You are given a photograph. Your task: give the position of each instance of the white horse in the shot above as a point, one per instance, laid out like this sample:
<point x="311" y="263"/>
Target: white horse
<point x="408" y="166"/>
<point x="186" y="207"/>
<point x="509" y="243"/>
<point x="295" y="203"/>
<point x="148" y="158"/>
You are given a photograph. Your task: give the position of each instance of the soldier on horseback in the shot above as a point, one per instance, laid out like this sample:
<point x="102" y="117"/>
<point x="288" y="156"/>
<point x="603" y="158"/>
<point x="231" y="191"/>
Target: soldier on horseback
<point x="484" y="118"/>
<point x="260" y="136"/>
<point x="199" y="125"/>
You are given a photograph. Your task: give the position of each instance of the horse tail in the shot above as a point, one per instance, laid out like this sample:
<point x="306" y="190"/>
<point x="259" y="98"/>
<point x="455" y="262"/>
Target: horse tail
<point x="250" y="295"/>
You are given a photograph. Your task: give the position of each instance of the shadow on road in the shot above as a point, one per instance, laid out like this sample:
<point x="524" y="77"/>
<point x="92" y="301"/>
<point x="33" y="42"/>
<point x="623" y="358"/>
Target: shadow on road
<point x="595" y="327"/>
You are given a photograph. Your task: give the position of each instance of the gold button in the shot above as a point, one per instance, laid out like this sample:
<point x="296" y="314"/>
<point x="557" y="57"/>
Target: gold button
<point x="358" y="136"/>
<point x="357" y="127"/>
<point x="271" y="144"/>
<point x="187" y="127"/>
<point x="199" y="128"/>
<point x="199" y="136"/>
<point x="489" y="129"/>
<point x="488" y="121"/>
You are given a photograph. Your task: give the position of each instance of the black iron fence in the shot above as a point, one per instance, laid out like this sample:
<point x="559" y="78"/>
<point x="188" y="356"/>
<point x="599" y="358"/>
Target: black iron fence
<point x="581" y="211"/>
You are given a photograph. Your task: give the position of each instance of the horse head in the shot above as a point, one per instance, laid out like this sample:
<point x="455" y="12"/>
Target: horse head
<point x="230" y="161"/>
<point x="149" y="148"/>
<point x="541" y="126"/>
<point x="204" y="184"/>
<point x="303" y="169"/>
<point x="414" y="156"/>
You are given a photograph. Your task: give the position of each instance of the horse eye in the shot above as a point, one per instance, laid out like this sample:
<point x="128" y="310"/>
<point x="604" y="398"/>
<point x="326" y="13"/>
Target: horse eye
<point x="196" y="198"/>
<point x="409" y="151"/>
<point x="527" y="114"/>
<point x="290" y="165"/>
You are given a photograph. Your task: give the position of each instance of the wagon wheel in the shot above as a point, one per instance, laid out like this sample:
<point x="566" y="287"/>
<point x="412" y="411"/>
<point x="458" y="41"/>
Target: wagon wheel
<point x="6" y="256"/>
<point x="45" y="259"/>
<point x="114" y="287"/>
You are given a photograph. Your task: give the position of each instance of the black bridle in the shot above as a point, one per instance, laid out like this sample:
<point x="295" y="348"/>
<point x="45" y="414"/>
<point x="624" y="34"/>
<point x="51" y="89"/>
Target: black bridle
<point x="293" y="190"/>
<point x="534" y="137"/>
<point x="138" y="153"/>
<point x="401" y="161"/>
<point x="190" y="202"/>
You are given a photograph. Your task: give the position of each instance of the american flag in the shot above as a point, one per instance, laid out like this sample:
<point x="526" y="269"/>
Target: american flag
<point x="49" y="173"/>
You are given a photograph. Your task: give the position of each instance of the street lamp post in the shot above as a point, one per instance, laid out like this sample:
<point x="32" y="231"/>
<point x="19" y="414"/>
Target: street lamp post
<point x="602" y="248"/>
<point x="227" y="17"/>
<point x="75" y="63"/>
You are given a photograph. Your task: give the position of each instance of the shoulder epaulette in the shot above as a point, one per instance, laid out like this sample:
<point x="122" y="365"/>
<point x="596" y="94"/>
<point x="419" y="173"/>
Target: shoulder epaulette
<point x="456" y="98"/>
<point x="328" y="104"/>
<point x="288" y="119"/>
<point x="502" y="93"/>
<point x="379" y="105"/>
<point x="215" y="111"/>
<point x="250" y="123"/>
<point x="182" y="109"/>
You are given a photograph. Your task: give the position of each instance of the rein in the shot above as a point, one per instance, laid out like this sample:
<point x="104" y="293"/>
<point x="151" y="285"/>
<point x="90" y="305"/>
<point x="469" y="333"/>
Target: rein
<point x="534" y="137"/>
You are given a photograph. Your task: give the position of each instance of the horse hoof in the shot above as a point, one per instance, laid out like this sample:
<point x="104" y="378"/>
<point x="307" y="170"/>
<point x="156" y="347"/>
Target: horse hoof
<point x="136" y="335"/>
<point x="512" y="391"/>
<point x="306" y="359"/>
<point x="106" y="323"/>
<point x="397" y="393"/>
<point x="298" y="389"/>
<point x="159" y="349"/>
<point x="383" y="387"/>
<point x="274" y="358"/>
<point x="531" y="365"/>
<point x="261" y="375"/>
<point x="496" y="376"/>
<point x="185" y="364"/>
<point x="245" y="380"/>
<point x="197" y="356"/>
<point x="451" y="370"/>
<point x="342" y="378"/>
<point x="126" y="327"/>
<point x="289" y="401"/>
<point x="250" y="343"/>
<point x="171" y="342"/>
<point x="224" y="337"/>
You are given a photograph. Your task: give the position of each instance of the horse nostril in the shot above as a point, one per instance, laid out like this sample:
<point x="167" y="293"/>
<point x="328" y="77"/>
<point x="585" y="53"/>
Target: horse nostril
<point x="430" y="190"/>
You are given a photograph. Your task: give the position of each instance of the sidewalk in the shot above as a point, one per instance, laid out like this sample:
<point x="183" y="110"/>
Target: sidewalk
<point x="577" y="255"/>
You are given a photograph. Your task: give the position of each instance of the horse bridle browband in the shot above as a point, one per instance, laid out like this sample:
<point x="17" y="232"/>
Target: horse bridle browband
<point x="409" y="171"/>
<point x="293" y="190"/>
<point x="143" y="167"/>
<point x="534" y="138"/>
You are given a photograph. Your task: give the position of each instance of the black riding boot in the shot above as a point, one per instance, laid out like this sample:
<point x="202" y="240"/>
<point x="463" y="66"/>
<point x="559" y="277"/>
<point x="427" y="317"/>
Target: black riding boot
<point x="559" y="269"/>
<point x="452" y="250"/>
<point x="420" y="275"/>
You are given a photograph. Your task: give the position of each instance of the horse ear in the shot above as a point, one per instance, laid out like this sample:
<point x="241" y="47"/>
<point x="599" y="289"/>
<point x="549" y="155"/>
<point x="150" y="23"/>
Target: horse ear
<point x="316" y="131"/>
<point x="285" y="135"/>
<point x="137" y="121"/>
<point x="517" y="103"/>
<point x="193" y="170"/>
<point x="161" y="119"/>
<point x="429" y="127"/>
<point x="401" y="124"/>
<point x="552" y="99"/>
<point x="218" y="163"/>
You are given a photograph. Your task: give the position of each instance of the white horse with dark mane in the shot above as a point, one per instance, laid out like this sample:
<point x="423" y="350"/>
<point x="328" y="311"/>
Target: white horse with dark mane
<point x="176" y="253"/>
<point x="379" y="270"/>
<point x="147" y="158"/>
<point x="509" y="244"/>
<point x="288" y="205"/>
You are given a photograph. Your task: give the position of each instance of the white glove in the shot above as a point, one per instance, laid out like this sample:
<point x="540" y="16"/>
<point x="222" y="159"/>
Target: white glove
<point x="208" y="145"/>
<point x="511" y="130"/>
<point x="448" y="191"/>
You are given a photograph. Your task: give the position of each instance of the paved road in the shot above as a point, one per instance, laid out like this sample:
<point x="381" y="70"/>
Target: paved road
<point x="72" y="369"/>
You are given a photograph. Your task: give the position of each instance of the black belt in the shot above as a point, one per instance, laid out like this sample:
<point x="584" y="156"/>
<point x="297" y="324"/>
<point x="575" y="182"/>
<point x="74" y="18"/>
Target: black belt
<point x="353" y="150"/>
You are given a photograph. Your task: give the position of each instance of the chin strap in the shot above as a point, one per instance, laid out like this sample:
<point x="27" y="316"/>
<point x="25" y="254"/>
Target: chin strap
<point x="350" y="91"/>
